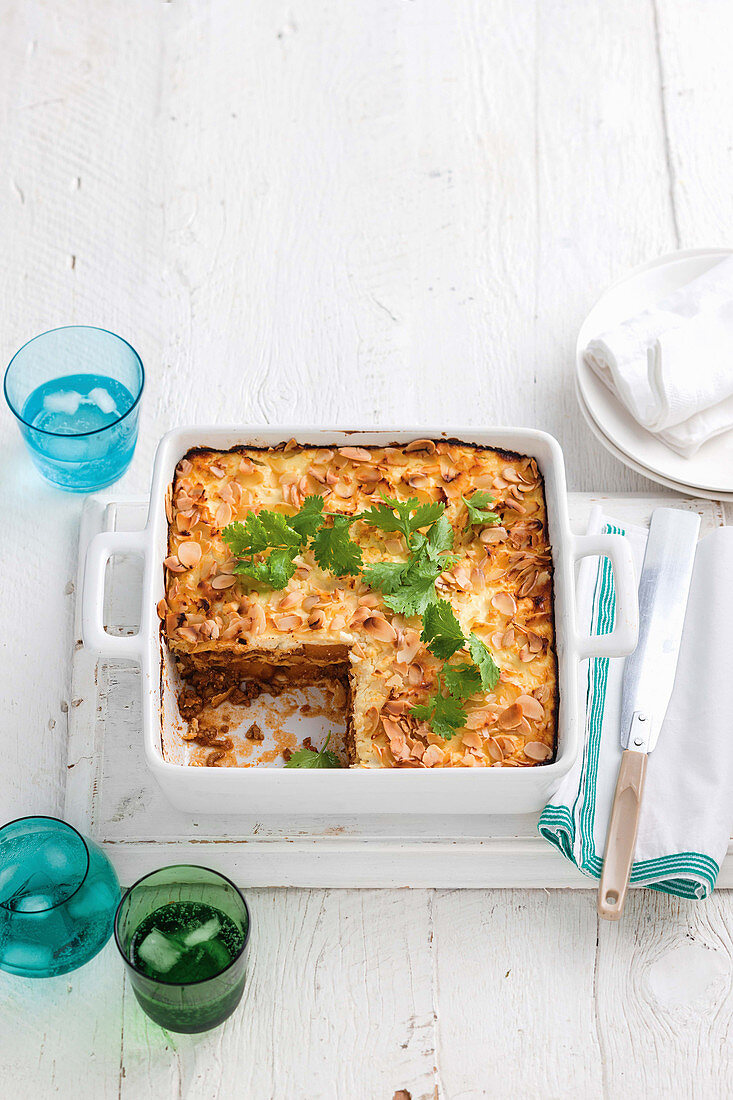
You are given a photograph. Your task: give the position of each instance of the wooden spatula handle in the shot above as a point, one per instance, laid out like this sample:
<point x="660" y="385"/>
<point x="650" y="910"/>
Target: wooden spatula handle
<point x="621" y="838"/>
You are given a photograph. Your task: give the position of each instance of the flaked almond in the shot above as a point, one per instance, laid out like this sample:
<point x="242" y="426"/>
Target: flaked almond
<point x="368" y="475"/>
<point x="415" y="675"/>
<point x="344" y="492"/>
<point x="188" y="634"/>
<point x="507" y="744"/>
<point x="417" y="481"/>
<point x="497" y="639"/>
<point x="493" y="534"/>
<point x="286" y="622"/>
<point x="391" y="727"/>
<point x="480" y="717"/>
<point x="494" y="750"/>
<point x="185" y="521"/>
<point x="310" y="602"/>
<point x="507" y="639"/>
<point x="510" y="474"/>
<point x="504" y="603"/>
<point x="433" y="755"/>
<point x="171" y="621"/>
<point x="189" y="553"/>
<point x="217" y="471"/>
<point x="526" y="655"/>
<point x="535" y="750"/>
<point x="316" y="619"/>
<point x="399" y="749"/>
<point x="291" y="600"/>
<point x="162" y="609"/>
<point x="258" y="620"/>
<point x="173" y="564"/>
<point x="378" y="627"/>
<point x="169" y="504"/>
<point x="514" y="505"/>
<point x="395" y="707"/>
<point x="407" y="652"/>
<point x="223" y="580"/>
<point x="356" y="454"/>
<point x="223" y="515"/>
<point x="531" y="707"/>
<point x="472" y="740"/>
<point x="370" y="599"/>
<point x="421" y="445"/>
<point x="510" y="717"/>
<point x="371" y="720"/>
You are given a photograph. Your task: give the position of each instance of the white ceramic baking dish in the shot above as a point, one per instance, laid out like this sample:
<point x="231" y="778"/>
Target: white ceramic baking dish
<point x="276" y="790"/>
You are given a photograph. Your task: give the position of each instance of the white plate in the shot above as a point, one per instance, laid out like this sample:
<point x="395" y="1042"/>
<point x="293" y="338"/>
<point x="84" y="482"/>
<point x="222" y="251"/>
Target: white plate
<point x="633" y="465"/>
<point x="710" y="471"/>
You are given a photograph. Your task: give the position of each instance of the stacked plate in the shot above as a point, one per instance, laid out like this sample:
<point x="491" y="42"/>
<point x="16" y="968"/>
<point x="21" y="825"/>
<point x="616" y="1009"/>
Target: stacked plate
<point x="709" y="473"/>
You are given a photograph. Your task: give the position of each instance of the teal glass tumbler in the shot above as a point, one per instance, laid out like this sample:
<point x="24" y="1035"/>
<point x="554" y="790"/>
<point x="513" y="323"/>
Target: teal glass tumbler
<point x="75" y="393"/>
<point x="58" y="895"/>
<point x="184" y="1005"/>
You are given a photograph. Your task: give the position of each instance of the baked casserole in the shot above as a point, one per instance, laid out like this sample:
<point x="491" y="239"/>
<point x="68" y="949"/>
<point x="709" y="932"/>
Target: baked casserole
<point x="419" y="576"/>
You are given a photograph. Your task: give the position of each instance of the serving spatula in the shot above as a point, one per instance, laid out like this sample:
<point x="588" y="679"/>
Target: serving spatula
<point x="647" y="685"/>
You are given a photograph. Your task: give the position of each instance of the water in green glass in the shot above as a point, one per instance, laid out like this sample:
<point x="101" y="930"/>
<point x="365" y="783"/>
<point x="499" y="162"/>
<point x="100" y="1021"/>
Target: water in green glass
<point x="183" y="933"/>
<point x="185" y="941"/>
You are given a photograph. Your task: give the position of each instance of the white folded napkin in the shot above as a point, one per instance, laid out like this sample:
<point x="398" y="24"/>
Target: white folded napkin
<point x="687" y="807"/>
<point x="672" y="365"/>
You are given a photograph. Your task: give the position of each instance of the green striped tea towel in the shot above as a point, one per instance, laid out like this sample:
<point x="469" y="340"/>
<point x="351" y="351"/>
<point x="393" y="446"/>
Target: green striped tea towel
<point x="687" y="811"/>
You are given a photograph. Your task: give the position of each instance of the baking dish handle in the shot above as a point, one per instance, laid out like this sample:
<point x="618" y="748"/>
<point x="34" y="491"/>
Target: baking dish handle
<point x="623" y="638"/>
<point x="100" y="550"/>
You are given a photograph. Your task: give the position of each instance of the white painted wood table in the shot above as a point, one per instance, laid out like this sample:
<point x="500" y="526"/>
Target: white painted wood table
<point x="353" y="213"/>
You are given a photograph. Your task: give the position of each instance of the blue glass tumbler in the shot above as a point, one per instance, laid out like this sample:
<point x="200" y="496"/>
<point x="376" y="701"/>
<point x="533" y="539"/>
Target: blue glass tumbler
<point x="75" y="393"/>
<point x="58" y="895"/>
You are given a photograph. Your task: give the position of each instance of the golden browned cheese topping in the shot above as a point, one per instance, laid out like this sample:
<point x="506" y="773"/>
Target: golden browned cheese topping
<point x="500" y="588"/>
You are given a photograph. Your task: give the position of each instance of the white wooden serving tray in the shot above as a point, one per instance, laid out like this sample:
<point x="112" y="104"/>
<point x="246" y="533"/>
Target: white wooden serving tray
<point x="111" y="796"/>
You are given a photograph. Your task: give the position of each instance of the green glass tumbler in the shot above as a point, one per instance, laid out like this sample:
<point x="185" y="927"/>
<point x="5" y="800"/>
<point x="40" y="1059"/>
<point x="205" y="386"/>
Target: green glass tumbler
<point x="184" y="977"/>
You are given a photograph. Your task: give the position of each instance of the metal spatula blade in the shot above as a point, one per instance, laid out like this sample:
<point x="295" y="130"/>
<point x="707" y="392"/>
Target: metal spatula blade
<point x="648" y="681"/>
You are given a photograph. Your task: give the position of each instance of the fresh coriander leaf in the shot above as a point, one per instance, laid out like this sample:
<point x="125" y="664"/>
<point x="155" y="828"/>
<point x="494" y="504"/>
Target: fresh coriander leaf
<point x="425" y="514"/>
<point x="309" y="758"/>
<point x="278" y="530"/>
<point x="477" y="512"/>
<point x="441" y="632"/>
<point x="487" y="667"/>
<point x="445" y="715"/>
<point x="462" y="681"/>
<point x="440" y="537"/>
<point x="255" y="573"/>
<point x="386" y="576"/>
<point x="448" y="717"/>
<point x="383" y="515"/>
<point x="281" y="567"/>
<point x="309" y="519"/>
<point x="259" y="532"/>
<point x="274" y="572"/>
<point x="334" y="550"/>
<point x="417" y="590"/>
<point x="246" y="538"/>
